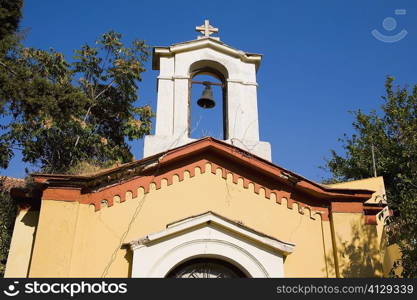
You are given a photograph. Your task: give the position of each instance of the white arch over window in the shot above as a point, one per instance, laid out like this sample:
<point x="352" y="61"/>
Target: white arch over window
<point x="237" y="70"/>
<point x="213" y="68"/>
<point x="209" y="235"/>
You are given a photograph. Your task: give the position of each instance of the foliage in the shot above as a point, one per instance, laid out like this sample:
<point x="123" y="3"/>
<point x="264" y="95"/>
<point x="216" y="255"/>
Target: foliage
<point x="7" y="217"/>
<point x="394" y="137"/>
<point x="62" y="113"/>
<point x="65" y="116"/>
<point x="85" y="168"/>
<point x="10" y="14"/>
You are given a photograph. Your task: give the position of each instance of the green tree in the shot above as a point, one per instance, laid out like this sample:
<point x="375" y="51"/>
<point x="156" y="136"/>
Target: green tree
<point x="393" y="135"/>
<point x="10" y="15"/>
<point x="63" y="113"/>
<point x="7" y="216"/>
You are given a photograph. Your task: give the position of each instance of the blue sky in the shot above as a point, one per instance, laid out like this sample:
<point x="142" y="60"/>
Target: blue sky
<point x="320" y="58"/>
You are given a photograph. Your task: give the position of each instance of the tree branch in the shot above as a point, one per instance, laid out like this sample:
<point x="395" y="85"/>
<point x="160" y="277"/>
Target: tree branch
<point x="8" y="68"/>
<point x="88" y="112"/>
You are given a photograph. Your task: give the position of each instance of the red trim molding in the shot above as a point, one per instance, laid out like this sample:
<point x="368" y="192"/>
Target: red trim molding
<point x="371" y="210"/>
<point x="63" y="194"/>
<point x="272" y="179"/>
<point x="347" y="207"/>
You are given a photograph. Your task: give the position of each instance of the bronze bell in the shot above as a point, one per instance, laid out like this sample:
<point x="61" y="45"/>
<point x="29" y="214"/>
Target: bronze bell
<point x="206" y="100"/>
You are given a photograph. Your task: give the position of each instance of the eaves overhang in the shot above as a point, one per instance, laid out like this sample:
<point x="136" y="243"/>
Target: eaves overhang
<point x="214" y="147"/>
<point x="211" y="43"/>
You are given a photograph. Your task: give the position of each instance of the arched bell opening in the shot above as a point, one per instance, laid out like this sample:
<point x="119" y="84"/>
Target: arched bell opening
<point x="207" y="114"/>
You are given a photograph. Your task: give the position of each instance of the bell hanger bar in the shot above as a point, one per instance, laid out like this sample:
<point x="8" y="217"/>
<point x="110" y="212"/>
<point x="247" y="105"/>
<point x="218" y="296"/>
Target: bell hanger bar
<point x="207" y="83"/>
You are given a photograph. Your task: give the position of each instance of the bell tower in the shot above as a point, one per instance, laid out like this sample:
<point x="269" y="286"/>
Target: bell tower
<point x="178" y="64"/>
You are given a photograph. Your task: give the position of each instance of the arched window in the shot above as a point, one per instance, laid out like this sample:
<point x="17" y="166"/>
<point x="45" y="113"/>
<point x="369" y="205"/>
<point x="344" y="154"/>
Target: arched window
<point x="212" y="120"/>
<point x="206" y="268"/>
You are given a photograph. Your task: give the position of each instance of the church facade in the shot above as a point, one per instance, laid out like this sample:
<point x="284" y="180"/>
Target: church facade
<point x="200" y="207"/>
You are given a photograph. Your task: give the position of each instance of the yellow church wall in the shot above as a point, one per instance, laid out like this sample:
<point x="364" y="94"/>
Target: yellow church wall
<point x="54" y="239"/>
<point x="73" y="240"/>
<point x="357" y="244"/>
<point x="361" y="247"/>
<point x="392" y="253"/>
<point x="328" y="246"/>
<point x="21" y="244"/>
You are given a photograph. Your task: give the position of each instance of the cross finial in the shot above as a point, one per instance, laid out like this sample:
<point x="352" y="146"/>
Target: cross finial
<point x="206" y="29"/>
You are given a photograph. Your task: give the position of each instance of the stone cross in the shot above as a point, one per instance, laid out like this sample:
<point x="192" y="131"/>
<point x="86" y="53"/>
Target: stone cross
<point x="207" y="30"/>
